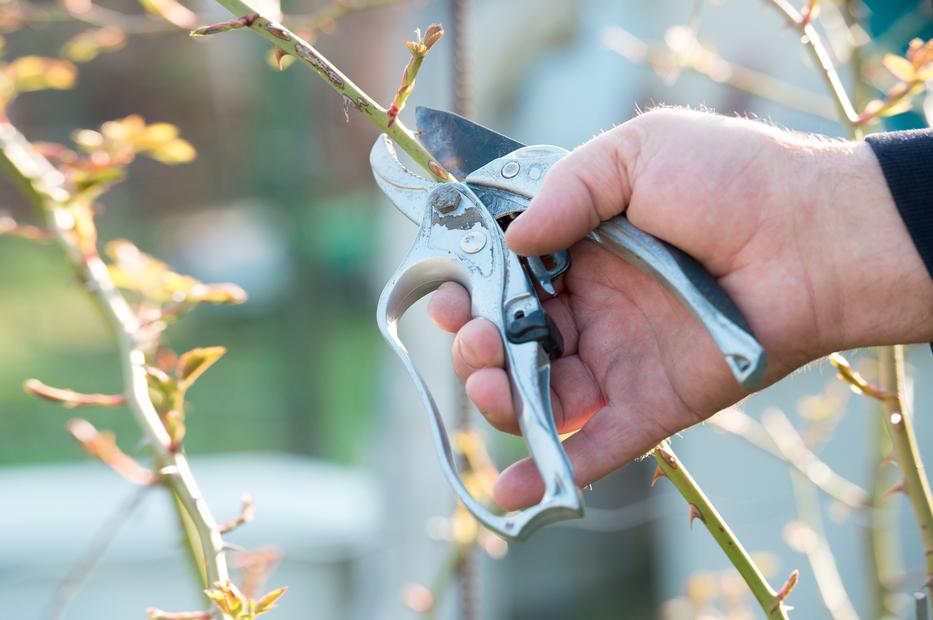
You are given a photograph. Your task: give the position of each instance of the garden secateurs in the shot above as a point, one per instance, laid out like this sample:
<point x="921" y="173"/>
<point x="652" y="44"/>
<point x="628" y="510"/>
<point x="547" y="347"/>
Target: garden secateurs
<point x="461" y="239"/>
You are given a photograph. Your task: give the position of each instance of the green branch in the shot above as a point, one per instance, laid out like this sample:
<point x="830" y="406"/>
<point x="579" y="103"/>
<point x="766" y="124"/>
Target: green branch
<point x="290" y="43"/>
<point x="814" y="44"/>
<point x="899" y="421"/>
<point x="44" y="186"/>
<point x="702" y="508"/>
<point x="891" y="358"/>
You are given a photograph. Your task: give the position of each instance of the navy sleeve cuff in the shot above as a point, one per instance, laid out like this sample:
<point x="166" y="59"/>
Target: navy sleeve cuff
<point x="906" y="159"/>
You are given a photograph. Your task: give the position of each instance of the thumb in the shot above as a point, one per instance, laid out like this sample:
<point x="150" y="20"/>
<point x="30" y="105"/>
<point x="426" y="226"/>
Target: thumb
<point x="586" y="187"/>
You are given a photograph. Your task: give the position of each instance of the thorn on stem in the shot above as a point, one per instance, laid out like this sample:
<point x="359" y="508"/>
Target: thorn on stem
<point x="695" y="514"/>
<point x="658" y="473"/>
<point x="900" y="487"/>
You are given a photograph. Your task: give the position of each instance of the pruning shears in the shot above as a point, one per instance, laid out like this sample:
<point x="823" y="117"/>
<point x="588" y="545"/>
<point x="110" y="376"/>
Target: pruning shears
<point x="461" y="239"/>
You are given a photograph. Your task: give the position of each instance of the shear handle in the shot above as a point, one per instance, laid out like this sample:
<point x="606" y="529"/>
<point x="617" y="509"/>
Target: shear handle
<point x="696" y="289"/>
<point x="499" y="290"/>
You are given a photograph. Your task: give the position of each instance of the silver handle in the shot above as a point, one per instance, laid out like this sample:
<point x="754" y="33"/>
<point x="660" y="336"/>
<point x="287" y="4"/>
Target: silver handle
<point x="696" y="289"/>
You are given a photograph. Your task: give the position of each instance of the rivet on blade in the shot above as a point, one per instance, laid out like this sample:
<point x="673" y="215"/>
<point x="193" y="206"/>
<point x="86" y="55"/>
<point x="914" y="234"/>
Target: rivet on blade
<point x="510" y="169"/>
<point x="473" y="241"/>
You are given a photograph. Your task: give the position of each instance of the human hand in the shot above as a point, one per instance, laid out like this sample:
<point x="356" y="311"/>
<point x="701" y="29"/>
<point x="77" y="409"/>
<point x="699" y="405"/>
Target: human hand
<point x="801" y="232"/>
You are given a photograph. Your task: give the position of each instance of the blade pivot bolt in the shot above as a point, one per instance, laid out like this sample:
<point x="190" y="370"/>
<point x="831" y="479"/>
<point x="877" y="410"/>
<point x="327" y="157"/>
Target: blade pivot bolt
<point x="510" y="169"/>
<point x="445" y="199"/>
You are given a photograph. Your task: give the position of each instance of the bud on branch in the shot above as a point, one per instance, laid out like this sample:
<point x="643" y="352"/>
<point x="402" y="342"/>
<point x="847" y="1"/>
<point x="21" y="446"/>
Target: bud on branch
<point x="419" y="49"/>
<point x="225" y="26"/>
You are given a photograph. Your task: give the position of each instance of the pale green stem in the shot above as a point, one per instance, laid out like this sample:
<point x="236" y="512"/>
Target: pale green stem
<point x="292" y="44"/>
<point x="43" y="185"/>
<point x="899" y="422"/>
<point x="674" y="470"/>
<point x="882" y="541"/>
<point x="819" y="554"/>
<point x="891" y="359"/>
<point x="824" y="63"/>
<point x="792" y="450"/>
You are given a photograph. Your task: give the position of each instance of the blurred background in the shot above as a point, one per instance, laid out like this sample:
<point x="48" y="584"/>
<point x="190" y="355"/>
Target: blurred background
<point x="310" y="412"/>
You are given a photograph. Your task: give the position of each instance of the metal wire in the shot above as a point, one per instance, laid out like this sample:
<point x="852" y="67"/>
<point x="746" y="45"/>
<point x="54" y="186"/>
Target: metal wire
<point x="466" y="568"/>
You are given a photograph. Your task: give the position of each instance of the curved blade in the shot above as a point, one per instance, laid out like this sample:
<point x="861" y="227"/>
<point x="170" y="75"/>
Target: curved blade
<point x="407" y="191"/>
<point x="458" y="144"/>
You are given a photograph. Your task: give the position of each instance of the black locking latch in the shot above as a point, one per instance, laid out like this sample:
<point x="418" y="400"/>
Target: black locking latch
<point x="536" y="327"/>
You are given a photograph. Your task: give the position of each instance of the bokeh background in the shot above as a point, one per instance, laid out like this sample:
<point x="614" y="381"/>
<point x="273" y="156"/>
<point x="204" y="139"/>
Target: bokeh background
<point x="309" y="411"/>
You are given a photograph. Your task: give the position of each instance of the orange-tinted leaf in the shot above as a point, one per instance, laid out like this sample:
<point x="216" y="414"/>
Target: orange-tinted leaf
<point x="195" y="363"/>
<point x="29" y="73"/>
<point x="902" y="68"/>
<point x="267" y="602"/>
<point x="176" y="151"/>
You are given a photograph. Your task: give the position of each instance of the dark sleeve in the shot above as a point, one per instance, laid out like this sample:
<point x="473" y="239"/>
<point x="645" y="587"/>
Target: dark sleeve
<point x="906" y="159"/>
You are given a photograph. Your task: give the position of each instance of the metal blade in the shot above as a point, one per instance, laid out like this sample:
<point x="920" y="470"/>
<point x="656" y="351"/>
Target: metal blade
<point x="458" y="144"/>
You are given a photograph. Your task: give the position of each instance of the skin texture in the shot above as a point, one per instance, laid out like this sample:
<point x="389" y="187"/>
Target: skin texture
<point x="801" y="232"/>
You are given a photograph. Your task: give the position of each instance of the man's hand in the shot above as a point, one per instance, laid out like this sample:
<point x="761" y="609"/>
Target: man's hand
<point x="802" y="233"/>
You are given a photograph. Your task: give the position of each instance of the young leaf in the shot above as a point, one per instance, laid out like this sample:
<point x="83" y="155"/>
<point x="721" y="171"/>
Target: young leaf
<point x="267" y="602"/>
<point x="902" y="68"/>
<point x="195" y="363"/>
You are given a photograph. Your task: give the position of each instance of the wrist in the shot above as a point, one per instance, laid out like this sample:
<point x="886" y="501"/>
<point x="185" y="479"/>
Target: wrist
<point x="878" y="290"/>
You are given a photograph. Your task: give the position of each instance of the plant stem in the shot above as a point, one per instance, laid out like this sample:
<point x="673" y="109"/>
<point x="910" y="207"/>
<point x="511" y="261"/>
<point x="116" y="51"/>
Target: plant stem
<point x="814" y="44"/>
<point x="292" y="44"/>
<point x="674" y="470"/>
<point x="43" y="186"/>
<point x="891" y="358"/>
<point x="898" y="420"/>
<point x="791" y="449"/>
<point x="697" y="59"/>
<point x="818" y="552"/>
<point x="881" y="530"/>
